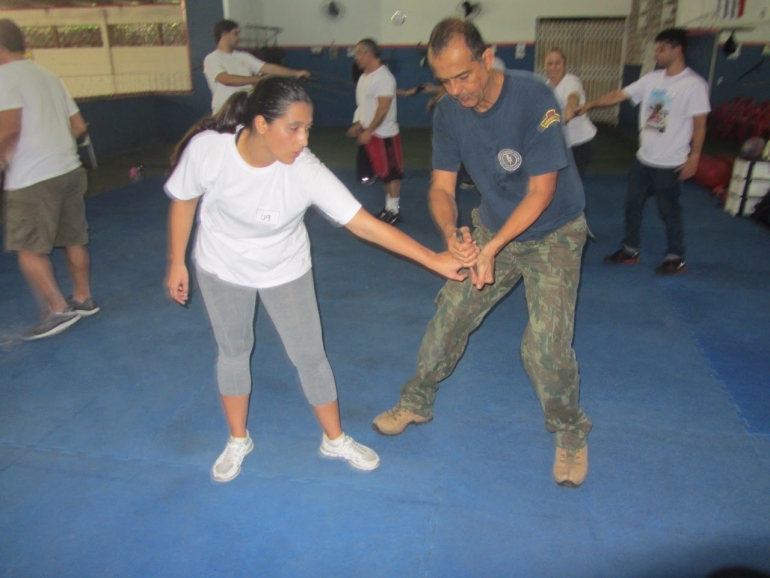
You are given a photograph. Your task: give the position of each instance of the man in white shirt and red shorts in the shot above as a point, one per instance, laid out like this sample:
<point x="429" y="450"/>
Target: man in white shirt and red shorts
<point x="375" y="126"/>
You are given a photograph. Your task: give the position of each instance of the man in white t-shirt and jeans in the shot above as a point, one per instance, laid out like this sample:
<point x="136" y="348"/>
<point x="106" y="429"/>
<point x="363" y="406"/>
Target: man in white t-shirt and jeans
<point x="672" y="127"/>
<point x="44" y="183"/>
<point x="228" y="70"/>
<point x="375" y="126"/>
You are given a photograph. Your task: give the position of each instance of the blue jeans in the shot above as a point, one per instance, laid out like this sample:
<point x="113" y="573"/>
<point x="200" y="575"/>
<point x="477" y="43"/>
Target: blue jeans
<point x="643" y="183"/>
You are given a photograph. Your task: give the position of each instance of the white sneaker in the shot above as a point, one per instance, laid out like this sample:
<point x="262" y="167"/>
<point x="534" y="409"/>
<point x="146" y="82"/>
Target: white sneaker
<point x="228" y="464"/>
<point x="358" y="455"/>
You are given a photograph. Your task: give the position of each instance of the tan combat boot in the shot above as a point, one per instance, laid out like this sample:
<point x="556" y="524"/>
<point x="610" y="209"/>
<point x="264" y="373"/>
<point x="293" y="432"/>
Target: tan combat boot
<point x="394" y="421"/>
<point x="570" y="468"/>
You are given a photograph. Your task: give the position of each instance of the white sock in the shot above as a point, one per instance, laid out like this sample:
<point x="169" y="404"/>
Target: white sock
<point x="391" y="204"/>
<point x="239" y="440"/>
<point x="336" y="442"/>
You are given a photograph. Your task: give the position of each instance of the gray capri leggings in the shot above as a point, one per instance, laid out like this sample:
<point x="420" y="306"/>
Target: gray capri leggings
<point x="294" y="312"/>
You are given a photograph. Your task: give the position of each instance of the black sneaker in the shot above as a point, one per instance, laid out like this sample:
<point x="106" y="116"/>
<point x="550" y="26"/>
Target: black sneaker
<point x="83" y="308"/>
<point x="389" y="217"/>
<point x="622" y="257"/>
<point x="53" y="324"/>
<point x="367" y="181"/>
<point x="671" y="267"/>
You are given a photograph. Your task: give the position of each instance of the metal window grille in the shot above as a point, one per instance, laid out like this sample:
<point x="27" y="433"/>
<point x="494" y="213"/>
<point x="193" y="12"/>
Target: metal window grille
<point x="77" y="36"/>
<point x="147" y="34"/>
<point x="173" y="34"/>
<point x="594" y="48"/>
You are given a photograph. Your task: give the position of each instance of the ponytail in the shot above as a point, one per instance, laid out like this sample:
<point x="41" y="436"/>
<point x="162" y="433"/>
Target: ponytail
<point x="226" y="119"/>
<point x="270" y="99"/>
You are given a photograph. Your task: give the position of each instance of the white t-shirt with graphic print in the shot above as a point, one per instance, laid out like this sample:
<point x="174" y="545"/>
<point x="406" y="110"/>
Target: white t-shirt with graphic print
<point x="251" y="230"/>
<point x="668" y="104"/>
<point x="369" y="88"/>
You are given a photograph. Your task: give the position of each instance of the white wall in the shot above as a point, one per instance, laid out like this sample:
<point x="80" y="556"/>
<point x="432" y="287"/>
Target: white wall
<point x="244" y="11"/>
<point x="696" y="13"/>
<point x="500" y="21"/>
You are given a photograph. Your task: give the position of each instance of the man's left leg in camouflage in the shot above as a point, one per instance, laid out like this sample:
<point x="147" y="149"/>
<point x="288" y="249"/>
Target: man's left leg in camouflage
<point x="551" y="270"/>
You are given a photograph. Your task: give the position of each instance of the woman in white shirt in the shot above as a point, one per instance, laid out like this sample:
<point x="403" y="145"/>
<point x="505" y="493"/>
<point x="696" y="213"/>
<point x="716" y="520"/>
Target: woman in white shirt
<point x="579" y="130"/>
<point x="255" y="178"/>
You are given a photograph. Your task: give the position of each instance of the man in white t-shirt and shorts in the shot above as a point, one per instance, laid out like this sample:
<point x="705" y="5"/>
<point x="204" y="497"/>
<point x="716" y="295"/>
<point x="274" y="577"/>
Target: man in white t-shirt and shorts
<point x="44" y="183"/>
<point x="375" y="125"/>
<point x="228" y="70"/>
<point x="672" y="127"/>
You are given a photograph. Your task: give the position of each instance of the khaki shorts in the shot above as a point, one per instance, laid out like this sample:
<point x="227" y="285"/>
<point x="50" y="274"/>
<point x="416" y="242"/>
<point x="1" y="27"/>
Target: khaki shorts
<point x="48" y="214"/>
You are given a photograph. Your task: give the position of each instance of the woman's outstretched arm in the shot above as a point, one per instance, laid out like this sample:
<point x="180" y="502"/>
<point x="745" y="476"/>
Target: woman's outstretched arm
<point x="368" y="228"/>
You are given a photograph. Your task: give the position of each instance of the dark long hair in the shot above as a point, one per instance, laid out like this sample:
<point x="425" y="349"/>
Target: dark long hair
<point x="270" y="99"/>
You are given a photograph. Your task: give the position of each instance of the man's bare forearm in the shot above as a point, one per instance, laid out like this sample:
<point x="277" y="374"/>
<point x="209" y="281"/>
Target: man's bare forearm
<point x="279" y="70"/>
<point x="8" y="144"/>
<point x="235" y="79"/>
<point x="698" y="135"/>
<point x="379" y="116"/>
<point x="609" y="99"/>
<point x="443" y="208"/>
<point x="10" y="131"/>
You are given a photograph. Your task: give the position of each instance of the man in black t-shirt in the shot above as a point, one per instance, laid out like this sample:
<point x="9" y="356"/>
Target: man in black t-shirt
<point x="506" y="129"/>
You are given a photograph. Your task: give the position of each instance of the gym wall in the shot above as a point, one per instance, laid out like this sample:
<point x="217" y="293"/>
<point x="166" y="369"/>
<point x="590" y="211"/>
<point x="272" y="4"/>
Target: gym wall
<point x="510" y="24"/>
<point x="120" y="123"/>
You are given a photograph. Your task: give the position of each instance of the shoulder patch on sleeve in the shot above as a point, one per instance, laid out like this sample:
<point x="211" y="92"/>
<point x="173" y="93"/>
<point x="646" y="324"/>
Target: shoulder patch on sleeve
<point x="549" y="118"/>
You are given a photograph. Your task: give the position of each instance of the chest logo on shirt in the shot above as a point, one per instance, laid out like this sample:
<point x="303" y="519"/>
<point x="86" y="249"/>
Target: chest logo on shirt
<point x="509" y="159"/>
<point x="549" y="118"/>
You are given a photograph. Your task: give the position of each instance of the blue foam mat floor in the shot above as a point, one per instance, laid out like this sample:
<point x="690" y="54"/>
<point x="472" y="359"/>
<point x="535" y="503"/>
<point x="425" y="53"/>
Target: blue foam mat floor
<point x="108" y="431"/>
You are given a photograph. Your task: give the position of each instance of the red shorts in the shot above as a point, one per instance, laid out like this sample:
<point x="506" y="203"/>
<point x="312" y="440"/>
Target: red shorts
<point x="385" y="157"/>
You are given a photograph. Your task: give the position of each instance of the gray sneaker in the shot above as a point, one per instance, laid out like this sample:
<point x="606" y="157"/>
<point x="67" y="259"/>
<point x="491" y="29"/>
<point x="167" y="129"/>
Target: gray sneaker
<point x="358" y="455"/>
<point x="228" y="464"/>
<point x="53" y="324"/>
<point x="83" y="308"/>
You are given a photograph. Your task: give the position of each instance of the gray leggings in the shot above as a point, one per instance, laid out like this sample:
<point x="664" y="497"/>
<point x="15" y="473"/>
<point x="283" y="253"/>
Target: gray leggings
<point x="294" y="311"/>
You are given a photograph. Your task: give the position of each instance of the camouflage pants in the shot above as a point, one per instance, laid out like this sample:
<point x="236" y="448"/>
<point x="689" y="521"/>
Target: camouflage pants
<point x="550" y="268"/>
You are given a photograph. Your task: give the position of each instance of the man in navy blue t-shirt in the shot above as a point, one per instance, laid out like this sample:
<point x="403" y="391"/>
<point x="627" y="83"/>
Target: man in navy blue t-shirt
<point x="505" y="127"/>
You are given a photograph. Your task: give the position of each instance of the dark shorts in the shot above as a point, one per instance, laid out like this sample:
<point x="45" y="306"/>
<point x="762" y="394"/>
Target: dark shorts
<point x="48" y="214"/>
<point x="385" y="157"/>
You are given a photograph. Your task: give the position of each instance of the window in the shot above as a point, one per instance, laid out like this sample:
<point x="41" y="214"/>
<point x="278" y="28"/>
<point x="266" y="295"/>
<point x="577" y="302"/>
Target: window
<point x="110" y="50"/>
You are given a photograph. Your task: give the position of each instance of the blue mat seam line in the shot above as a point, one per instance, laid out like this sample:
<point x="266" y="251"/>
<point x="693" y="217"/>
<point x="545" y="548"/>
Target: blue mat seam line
<point x="717" y="377"/>
<point x="422" y="566"/>
<point x="424" y="497"/>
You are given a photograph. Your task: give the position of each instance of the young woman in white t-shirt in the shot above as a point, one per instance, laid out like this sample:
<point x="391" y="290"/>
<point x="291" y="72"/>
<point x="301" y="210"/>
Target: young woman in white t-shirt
<point x="254" y="177"/>
<point x="579" y="130"/>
